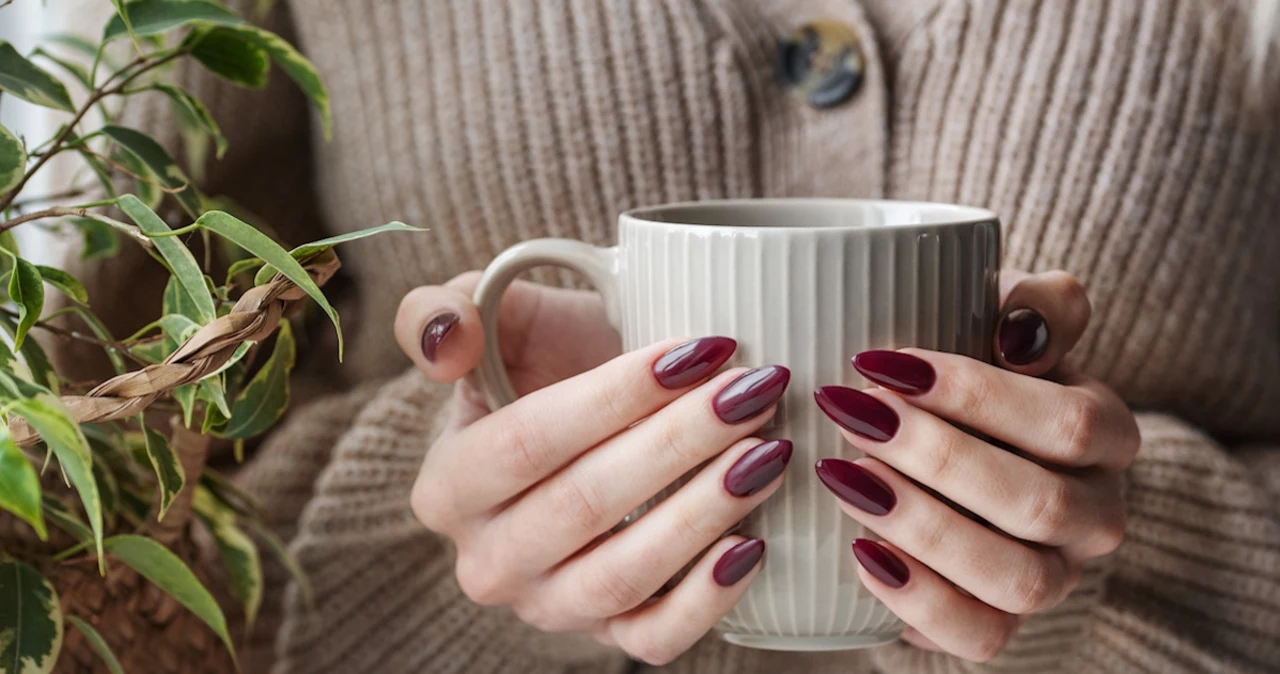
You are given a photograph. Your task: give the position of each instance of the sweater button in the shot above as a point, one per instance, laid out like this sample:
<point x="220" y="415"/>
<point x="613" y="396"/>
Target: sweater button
<point x="822" y="63"/>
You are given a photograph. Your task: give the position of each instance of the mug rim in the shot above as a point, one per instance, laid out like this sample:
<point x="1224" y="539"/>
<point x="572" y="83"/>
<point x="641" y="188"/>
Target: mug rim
<point x="964" y="215"/>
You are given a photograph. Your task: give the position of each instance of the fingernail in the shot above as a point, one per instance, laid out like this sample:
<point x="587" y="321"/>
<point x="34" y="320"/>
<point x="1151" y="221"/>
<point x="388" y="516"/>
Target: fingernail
<point x="856" y="486"/>
<point x="882" y="564"/>
<point x="692" y="361"/>
<point x="1023" y="336"/>
<point x="737" y="562"/>
<point x="437" y="330"/>
<point x="896" y="371"/>
<point x="752" y="393"/>
<point x="758" y="467"/>
<point x="858" y="412"/>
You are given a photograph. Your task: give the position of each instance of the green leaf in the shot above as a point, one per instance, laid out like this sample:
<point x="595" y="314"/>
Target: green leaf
<point x="178" y="327"/>
<point x="108" y="488"/>
<point x="147" y="186"/>
<point x="62" y="517"/>
<point x="175" y="253"/>
<point x="168" y="468"/>
<point x="229" y="56"/>
<point x="19" y="484"/>
<point x="263" y="247"/>
<point x="308" y="250"/>
<point x="152" y="17"/>
<point x="239" y="554"/>
<point x="293" y="63"/>
<point x="281" y="552"/>
<point x="33" y="356"/>
<point x="186" y="104"/>
<point x="13" y="160"/>
<point x="68" y="284"/>
<point x="30" y="621"/>
<point x="27" y="81"/>
<point x="76" y="70"/>
<point x="56" y="427"/>
<point x="242" y="266"/>
<point x="100" y="239"/>
<point x="153" y="562"/>
<point x="27" y="291"/>
<point x="122" y="13"/>
<point x="77" y="43"/>
<point x="263" y="401"/>
<point x="161" y="164"/>
<point x="98" y="643"/>
<point x="214" y="392"/>
<point x="177" y="301"/>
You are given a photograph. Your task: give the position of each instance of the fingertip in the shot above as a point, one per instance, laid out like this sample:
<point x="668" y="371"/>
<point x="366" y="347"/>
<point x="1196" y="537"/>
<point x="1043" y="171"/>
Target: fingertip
<point x="439" y="329"/>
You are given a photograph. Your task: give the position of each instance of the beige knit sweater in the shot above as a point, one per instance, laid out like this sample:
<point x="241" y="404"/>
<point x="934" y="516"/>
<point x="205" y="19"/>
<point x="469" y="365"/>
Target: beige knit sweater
<point x="1117" y="140"/>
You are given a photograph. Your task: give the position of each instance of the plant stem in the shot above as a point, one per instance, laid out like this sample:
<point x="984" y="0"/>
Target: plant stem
<point x="97" y="95"/>
<point x="72" y="334"/>
<point x="65" y="194"/>
<point x="64" y="211"/>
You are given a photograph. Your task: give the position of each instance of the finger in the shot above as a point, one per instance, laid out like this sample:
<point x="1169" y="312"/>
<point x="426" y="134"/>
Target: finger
<point x="590" y="496"/>
<point x="999" y="571"/>
<point x="660" y="632"/>
<point x="504" y="453"/>
<point x="632" y="565"/>
<point x="1078" y="422"/>
<point x="1019" y="496"/>
<point x="1041" y="319"/>
<point x="960" y="625"/>
<point x="913" y="636"/>
<point x="439" y="329"/>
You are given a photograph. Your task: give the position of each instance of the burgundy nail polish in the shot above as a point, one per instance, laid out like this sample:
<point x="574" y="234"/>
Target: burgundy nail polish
<point x="692" y="361"/>
<point x="752" y="393"/>
<point x="758" y="467"/>
<point x="896" y="371"/>
<point x="856" y="486"/>
<point x="1023" y="336"/>
<point x="858" y="412"/>
<point x="737" y="562"/>
<point x="882" y="564"/>
<point x="437" y="330"/>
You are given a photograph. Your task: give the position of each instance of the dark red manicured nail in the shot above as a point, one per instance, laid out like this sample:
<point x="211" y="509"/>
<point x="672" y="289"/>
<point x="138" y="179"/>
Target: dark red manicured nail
<point x="882" y="564"/>
<point x="1023" y="336"/>
<point x="758" y="467"/>
<point x="856" y="486"/>
<point x="752" y="393"/>
<point x="737" y="562"/>
<point x="437" y="330"/>
<point x="896" y="371"/>
<point x="692" y="361"/>
<point x="858" y="412"/>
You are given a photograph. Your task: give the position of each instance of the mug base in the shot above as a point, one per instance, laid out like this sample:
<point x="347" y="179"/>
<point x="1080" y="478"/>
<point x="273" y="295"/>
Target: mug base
<point x="771" y="642"/>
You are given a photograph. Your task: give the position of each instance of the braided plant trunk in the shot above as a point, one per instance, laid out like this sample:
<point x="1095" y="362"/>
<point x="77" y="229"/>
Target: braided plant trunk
<point x="149" y="630"/>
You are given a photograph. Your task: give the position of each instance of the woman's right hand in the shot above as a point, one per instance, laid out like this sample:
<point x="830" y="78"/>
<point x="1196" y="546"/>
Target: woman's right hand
<point x="531" y="494"/>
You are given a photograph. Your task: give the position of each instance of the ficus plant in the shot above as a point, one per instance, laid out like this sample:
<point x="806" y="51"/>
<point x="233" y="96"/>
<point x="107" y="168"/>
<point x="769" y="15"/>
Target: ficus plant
<point x="107" y="479"/>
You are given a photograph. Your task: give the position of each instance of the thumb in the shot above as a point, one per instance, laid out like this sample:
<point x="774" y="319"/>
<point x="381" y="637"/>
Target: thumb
<point x="1042" y="316"/>
<point x="439" y="329"/>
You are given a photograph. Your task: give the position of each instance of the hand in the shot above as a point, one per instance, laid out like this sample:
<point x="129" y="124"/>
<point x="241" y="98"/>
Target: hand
<point x="1054" y="490"/>
<point x="531" y="494"/>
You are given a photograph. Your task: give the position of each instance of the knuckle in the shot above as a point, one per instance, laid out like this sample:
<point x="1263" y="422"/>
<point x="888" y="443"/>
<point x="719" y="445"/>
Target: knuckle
<point x="431" y="504"/>
<point x="968" y="389"/>
<point x="607" y="594"/>
<point x="1074" y="297"/>
<point x="540" y="616"/>
<point x="649" y="649"/>
<point x="695" y="529"/>
<point x="993" y="642"/>
<point x="931" y="538"/>
<point x="671" y="439"/>
<point x="1035" y="586"/>
<point x="1079" y="420"/>
<point x="578" y="503"/>
<point x="479" y="580"/>
<point x="1111" y="534"/>
<point x="1049" y="511"/>
<point x="522" y="448"/>
<point x="939" y="454"/>
<point x="612" y="403"/>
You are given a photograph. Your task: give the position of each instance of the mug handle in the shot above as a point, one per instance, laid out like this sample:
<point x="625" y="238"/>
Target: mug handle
<point x="599" y="265"/>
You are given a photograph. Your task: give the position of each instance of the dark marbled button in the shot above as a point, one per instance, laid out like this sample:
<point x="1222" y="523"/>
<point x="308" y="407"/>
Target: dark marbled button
<point x="822" y="62"/>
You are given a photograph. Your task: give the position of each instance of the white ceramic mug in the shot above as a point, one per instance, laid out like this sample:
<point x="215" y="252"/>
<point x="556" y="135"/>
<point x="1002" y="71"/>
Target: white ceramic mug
<point x="803" y="283"/>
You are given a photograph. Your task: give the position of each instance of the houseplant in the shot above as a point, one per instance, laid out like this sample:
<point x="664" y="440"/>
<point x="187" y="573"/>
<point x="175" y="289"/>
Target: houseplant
<point x="103" y="484"/>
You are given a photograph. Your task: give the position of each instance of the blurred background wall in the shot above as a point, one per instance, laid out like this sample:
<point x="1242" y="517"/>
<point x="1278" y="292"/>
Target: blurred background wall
<point x="22" y="23"/>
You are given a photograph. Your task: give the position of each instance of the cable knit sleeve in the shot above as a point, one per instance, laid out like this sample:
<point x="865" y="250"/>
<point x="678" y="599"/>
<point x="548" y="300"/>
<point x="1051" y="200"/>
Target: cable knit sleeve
<point x="1195" y="587"/>
<point x="386" y="599"/>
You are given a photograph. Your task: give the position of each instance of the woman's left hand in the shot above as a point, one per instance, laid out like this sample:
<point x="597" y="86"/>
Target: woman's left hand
<point x="1051" y="492"/>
